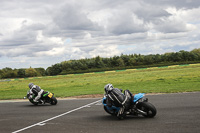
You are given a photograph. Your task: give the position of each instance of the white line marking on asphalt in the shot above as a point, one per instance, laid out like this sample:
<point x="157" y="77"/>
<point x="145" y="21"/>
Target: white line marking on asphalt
<point x="43" y="122"/>
<point x="100" y="103"/>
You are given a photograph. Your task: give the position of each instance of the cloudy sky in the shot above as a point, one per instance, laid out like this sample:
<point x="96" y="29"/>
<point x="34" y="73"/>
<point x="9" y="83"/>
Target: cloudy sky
<point x="40" y="33"/>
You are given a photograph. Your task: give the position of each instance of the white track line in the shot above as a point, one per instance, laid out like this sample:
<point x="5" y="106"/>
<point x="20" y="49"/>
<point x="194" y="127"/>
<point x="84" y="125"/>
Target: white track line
<point x="43" y="122"/>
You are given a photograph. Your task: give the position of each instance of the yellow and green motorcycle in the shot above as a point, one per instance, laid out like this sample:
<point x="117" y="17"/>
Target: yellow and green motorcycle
<point x="46" y="97"/>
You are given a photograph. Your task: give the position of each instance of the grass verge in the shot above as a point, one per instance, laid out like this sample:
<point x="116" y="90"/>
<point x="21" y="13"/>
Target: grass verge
<point x="152" y="80"/>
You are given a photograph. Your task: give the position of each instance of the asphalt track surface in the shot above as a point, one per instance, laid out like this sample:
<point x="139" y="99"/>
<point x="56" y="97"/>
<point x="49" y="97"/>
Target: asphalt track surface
<point x="176" y="113"/>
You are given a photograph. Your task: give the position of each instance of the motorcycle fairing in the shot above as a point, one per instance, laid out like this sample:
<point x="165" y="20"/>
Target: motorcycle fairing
<point x="45" y="94"/>
<point x="113" y="108"/>
<point x="138" y="97"/>
<point x="49" y="94"/>
<point x="110" y="108"/>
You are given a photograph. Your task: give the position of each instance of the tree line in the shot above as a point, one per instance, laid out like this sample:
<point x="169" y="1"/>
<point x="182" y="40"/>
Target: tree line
<point x="103" y="64"/>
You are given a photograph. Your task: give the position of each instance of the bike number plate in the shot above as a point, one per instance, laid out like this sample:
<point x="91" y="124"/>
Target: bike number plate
<point x="50" y="95"/>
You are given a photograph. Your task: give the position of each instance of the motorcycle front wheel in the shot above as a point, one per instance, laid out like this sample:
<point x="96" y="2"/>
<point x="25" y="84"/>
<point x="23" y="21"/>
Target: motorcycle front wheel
<point x="111" y="112"/>
<point x="148" y="109"/>
<point x="34" y="103"/>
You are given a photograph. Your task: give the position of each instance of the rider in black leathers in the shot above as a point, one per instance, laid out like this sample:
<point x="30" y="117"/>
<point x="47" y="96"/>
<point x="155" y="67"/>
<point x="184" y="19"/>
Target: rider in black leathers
<point x="36" y="90"/>
<point x="114" y="96"/>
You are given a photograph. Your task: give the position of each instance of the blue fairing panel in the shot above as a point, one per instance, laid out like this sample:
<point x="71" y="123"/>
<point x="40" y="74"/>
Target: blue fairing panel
<point x="110" y="108"/>
<point x="113" y="108"/>
<point x="103" y="101"/>
<point x="138" y="96"/>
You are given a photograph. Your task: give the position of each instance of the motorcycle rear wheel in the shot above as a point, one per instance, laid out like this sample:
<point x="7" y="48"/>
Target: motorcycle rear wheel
<point x="53" y="101"/>
<point x="148" y="108"/>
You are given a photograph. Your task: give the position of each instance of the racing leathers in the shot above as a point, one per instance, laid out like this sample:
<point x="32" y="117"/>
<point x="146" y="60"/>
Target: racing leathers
<point x="37" y="91"/>
<point x="117" y="98"/>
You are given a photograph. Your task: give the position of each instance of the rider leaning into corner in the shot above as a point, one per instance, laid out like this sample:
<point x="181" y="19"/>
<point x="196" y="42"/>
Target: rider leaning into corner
<point x="36" y="90"/>
<point x="117" y="98"/>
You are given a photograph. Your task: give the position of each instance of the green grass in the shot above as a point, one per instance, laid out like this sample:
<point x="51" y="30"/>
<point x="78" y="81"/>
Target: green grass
<point x="153" y="80"/>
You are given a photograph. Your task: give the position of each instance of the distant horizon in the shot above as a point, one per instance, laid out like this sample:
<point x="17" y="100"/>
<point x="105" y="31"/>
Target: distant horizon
<point x="95" y="57"/>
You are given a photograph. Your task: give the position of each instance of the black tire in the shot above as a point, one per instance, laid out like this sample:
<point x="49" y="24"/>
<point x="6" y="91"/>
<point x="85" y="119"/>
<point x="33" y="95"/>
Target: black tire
<point x="148" y="108"/>
<point x="109" y="111"/>
<point x="121" y="117"/>
<point x="53" y="101"/>
<point x="34" y="103"/>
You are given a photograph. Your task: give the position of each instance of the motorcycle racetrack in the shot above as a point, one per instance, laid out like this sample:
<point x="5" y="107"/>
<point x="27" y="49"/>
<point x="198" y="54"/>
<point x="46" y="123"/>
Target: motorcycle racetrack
<point x="177" y="113"/>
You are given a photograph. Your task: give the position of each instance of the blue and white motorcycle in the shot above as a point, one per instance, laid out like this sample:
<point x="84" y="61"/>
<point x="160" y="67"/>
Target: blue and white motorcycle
<point x="139" y="106"/>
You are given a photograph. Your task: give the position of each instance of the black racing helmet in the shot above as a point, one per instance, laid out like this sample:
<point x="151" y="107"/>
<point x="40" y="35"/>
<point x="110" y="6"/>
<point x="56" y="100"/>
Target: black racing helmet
<point x="30" y="85"/>
<point x="108" y="87"/>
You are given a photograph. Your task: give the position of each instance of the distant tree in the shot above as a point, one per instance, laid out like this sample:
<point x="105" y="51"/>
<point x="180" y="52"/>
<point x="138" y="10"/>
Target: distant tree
<point x="75" y="65"/>
<point x="196" y="51"/>
<point x="98" y="62"/>
<point x="140" y="59"/>
<point x="21" y="73"/>
<point x="9" y="73"/>
<point x="31" y="72"/>
<point x="40" y="71"/>
<point x="106" y="62"/>
<point x="114" y="61"/>
<point x="120" y="62"/>
<point x="132" y="61"/>
<point x="148" y="59"/>
<point x="91" y="63"/>
<point x="193" y="56"/>
<point x="54" y="69"/>
<point x="66" y="65"/>
<point x="7" y="69"/>
<point x="125" y="59"/>
<point x="48" y="71"/>
<point x="157" y="58"/>
<point x="177" y="57"/>
<point x="83" y="66"/>
<point x="2" y="74"/>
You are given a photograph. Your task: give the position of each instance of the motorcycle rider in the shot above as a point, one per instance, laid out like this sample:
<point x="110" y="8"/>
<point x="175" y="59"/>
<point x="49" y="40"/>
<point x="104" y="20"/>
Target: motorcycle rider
<point x="114" y="96"/>
<point x="37" y="91"/>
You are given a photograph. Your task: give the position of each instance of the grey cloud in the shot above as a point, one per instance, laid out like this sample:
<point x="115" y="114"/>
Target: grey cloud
<point x="70" y="17"/>
<point x="24" y="42"/>
<point x="128" y="23"/>
<point x="151" y="13"/>
<point x="88" y="49"/>
<point x="34" y="27"/>
<point x="175" y="3"/>
<point x="126" y="28"/>
<point x="170" y="26"/>
<point x="24" y="36"/>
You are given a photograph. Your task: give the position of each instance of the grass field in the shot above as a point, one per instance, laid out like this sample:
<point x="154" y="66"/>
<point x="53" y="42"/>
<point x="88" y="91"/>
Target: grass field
<point x="170" y="79"/>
